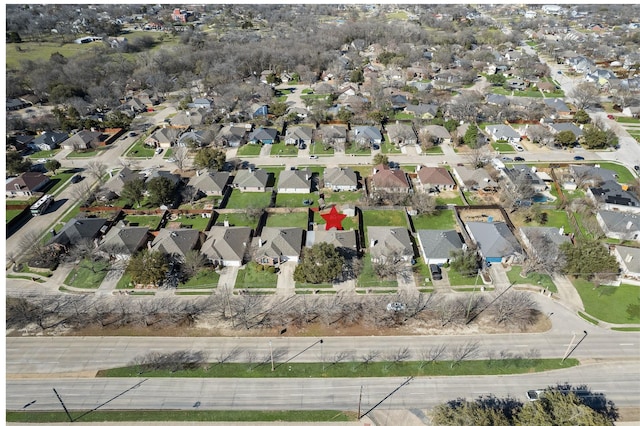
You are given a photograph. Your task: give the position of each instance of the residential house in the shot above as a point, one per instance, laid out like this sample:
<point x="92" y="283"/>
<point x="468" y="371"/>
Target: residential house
<point x="389" y="242"/>
<point x="19" y="143"/>
<point x="612" y="196"/>
<point x="298" y="135"/>
<point x="424" y="111"/>
<point x="201" y="103"/>
<point x="259" y="110"/>
<point x="436" y="246"/>
<point x="164" y="137"/>
<point x="295" y="181"/>
<point x="556" y="128"/>
<point x="211" y="183"/>
<point x="279" y="245"/>
<point x="123" y="241"/>
<point x="174" y="178"/>
<point x="264" y="135"/>
<point x="298" y="111"/>
<point x="79" y="229"/>
<point x="389" y="180"/>
<point x="176" y="242"/>
<point x="499" y="100"/>
<point x="117" y="181"/>
<point x="495" y="241"/>
<point x="132" y="107"/>
<point x="398" y="101"/>
<point x="199" y="138"/>
<point x="367" y="135"/>
<point x="435" y="179"/>
<point x="340" y="179"/>
<point x="345" y="241"/>
<point x="591" y="175"/>
<point x="629" y="260"/>
<point x="251" y="180"/>
<point x="559" y="107"/>
<point x="187" y="119"/>
<point x="48" y="141"/>
<point x="84" y="139"/>
<point x="516" y="84"/>
<point x="336" y="135"/>
<point x="536" y="237"/>
<point x="227" y="245"/>
<point x="473" y="179"/>
<point x="502" y="132"/>
<point x="438" y="134"/>
<point x="402" y="134"/>
<point x="600" y="76"/>
<point x="14" y="104"/>
<point x="545" y="86"/>
<point x="26" y="184"/>
<point x="580" y="64"/>
<point x="519" y="173"/>
<point x="233" y="135"/>
<point x="619" y="225"/>
<point x="481" y="139"/>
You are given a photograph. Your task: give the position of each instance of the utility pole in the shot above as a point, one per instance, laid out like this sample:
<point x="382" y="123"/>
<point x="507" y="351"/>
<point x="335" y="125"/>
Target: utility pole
<point x="63" y="406"/>
<point x="273" y="367"/>
<point x="359" y="402"/>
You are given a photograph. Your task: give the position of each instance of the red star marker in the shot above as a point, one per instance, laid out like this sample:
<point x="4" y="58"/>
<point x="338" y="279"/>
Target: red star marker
<point x="333" y="219"/>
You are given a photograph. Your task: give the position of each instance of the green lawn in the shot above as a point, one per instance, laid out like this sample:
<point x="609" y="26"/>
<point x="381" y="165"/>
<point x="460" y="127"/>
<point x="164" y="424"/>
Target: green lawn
<point x="445" y="201"/>
<point x="384" y="218"/>
<point x="280" y="149"/>
<point x="317" y="148"/>
<point x="609" y="303"/>
<point x="624" y="174"/>
<point x="44" y="154"/>
<point x="86" y="153"/>
<point x="34" y="51"/>
<point x="502" y="147"/>
<point x="558" y="219"/>
<point x="618" y="119"/>
<point x="58" y="181"/>
<point x="341" y="197"/>
<point x="139" y="150"/>
<point x="124" y="283"/>
<point x="354" y="149"/>
<point x="275" y="171"/>
<point x="250" y="150"/>
<point x="11" y="214"/>
<point x="295" y="220"/>
<point x="205" y="278"/>
<point x="443" y="219"/>
<point x="83" y="277"/>
<point x="421" y="272"/>
<point x="533" y="278"/>
<point x="151" y="221"/>
<point x="251" y="277"/>
<point x="456" y="279"/>
<point x="179" y="416"/>
<point x="295" y="200"/>
<point x="368" y="278"/>
<point x="238" y="219"/>
<point x="193" y="221"/>
<point x="244" y="200"/>
<point x="389" y="148"/>
<point x="434" y="150"/>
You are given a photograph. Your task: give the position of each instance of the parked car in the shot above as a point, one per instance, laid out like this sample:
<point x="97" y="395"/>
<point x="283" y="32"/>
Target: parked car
<point x="534" y="394"/>
<point x="518" y="159"/>
<point x="519" y="148"/>
<point x="506" y="159"/>
<point x="436" y="272"/>
<point x="396" y="306"/>
<point x="76" y="178"/>
<point x="636" y="168"/>
<point x="158" y="150"/>
<point x="611" y="117"/>
<point x="578" y="158"/>
<point x="313" y="157"/>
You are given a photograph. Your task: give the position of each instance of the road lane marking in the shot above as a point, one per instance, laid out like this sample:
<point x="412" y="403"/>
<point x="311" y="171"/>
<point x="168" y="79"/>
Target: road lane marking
<point x="627" y="344"/>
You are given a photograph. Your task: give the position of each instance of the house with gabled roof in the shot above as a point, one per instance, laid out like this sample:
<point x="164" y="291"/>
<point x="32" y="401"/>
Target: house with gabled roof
<point x="164" y="137"/>
<point x="629" y="261"/>
<point x="345" y="241"/>
<point x="26" y="184"/>
<point x="277" y="245"/>
<point x="251" y="180"/>
<point x="210" y="183"/>
<point x="436" y="245"/>
<point x="48" y="141"/>
<point x="227" y="245"/>
<point x="591" y="175"/>
<point x="402" y="134"/>
<point x="496" y="243"/>
<point x="176" y="242"/>
<point x="435" y="178"/>
<point x="424" y="111"/>
<point x="619" y="225"/>
<point x="335" y="134"/>
<point x="197" y="138"/>
<point x="519" y="173"/>
<point x="84" y="139"/>
<point x="117" y="181"/>
<point x="264" y="135"/>
<point x="439" y="134"/>
<point x="556" y="128"/>
<point x="367" y="135"/>
<point x="389" y="180"/>
<point x="174" y="178"/>
<point x="186" y="119"/>
<point x="123" y="241"/>
<point x="548" y="234"/>
<point x="384" y="242"/>
<point x="558" y="106"/>
<point x="78" y="229"/>
<point x="233" y="135"/>
<point x="296" y="181"/>
<point x="340" y="179"/>
<point x="297" y="135"/>
<point x="474" y="179"/>
<point x="612" y="196"/>
<point x="503" y="132"/>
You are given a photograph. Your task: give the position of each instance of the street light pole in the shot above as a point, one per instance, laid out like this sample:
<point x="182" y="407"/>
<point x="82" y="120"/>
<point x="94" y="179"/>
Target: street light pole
<point x="271" y="352"/>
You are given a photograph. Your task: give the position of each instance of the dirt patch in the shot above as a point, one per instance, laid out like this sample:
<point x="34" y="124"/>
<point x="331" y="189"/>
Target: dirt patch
<point x="629" y="414"/>
<point x="480" y="215"/>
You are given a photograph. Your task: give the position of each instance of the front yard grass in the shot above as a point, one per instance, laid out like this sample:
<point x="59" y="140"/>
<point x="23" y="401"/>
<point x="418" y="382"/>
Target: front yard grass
<point x="296" y="200"/>
<point x="355" y="149"/>
<point x="384" y="218"/>
<point x="368" y="278"/>
<point x="82" y="276"/>
<point x="608" y="303"/>
<point x="250" y="150"/>
<point x="58" y="181"/>
<point x="502" y="147"/>
<point x="624" y="175"/>
<point x="252" y="276"/>
<point x="205" y="278"/>
<point x="140" y="150"/>
<point x="341" y="197"/>
<point x="457" y="279"/>
<point x="44" y="154"/>
<point x="288" y="220"/>
<point x="434" y="150"/>
<point x="442" y="219"/>
<point x="317" y="148"/>
<point x="245" y="200"/>
<point x="533" y="278"/>
<point x="628" y="120"/>
<point x="86" y="153"/>
<point x="389" y="148"/>
<point x="281" y="150"/>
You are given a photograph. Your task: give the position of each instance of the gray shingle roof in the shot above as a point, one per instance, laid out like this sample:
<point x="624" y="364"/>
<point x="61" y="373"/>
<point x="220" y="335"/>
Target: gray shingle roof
<point x="78" y="229"/>
<point x="384" y="240"/>
<point x="278" y="242"/>
<point x="438" y="244"/>
<point x="226" y="243"/>
<point x="295" y="179"/>
<point x="494" y="239"/>
<point x="127" y="239"/>
<point x="176" y="241"/>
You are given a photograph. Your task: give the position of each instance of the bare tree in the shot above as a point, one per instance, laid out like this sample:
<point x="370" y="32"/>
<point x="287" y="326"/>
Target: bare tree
<point x="541" y="135"/>
<point x="192" y="262"/>
<point x="463" y="352"/>
<point x="544" y="255"/>
<point x="519" y="188"/>
<point x="97" y="169"/>
<point x="514" y="308"/>
<point x="228" y="355"/>
<point x="584" y="95"/>
<point x="339" y="357"/>
<point x="174" y="361"/>
<point x="434" y="353"/>
<point x="450" y="311"/>
<point x="423" y="203"/>
<point x="370" y="356"/>
<point x="180" y="156"/>
<point x="400" y="355"/>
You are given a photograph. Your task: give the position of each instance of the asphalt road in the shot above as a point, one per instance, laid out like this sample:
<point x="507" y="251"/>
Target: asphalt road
<point x="620" y="382"/>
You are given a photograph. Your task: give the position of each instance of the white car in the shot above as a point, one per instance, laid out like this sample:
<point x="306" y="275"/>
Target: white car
<point x="534" y="394"/>
<point x="158" y="150"/>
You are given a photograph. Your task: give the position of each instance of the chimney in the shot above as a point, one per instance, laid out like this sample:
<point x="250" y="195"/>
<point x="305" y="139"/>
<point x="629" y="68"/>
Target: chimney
<point x="629" y="225"/>
<point x="373" y="243"/>
<point x="561" y="232"/>
<point x="260" y="242"/>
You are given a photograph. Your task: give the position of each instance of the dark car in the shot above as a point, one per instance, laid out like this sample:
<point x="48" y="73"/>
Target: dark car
<point x="636" y="167"/>
<point x="436" y="272"/>
<point x="76" y="178"/>
<point x="578" y="158"/>
<point x="518" y="159"/>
